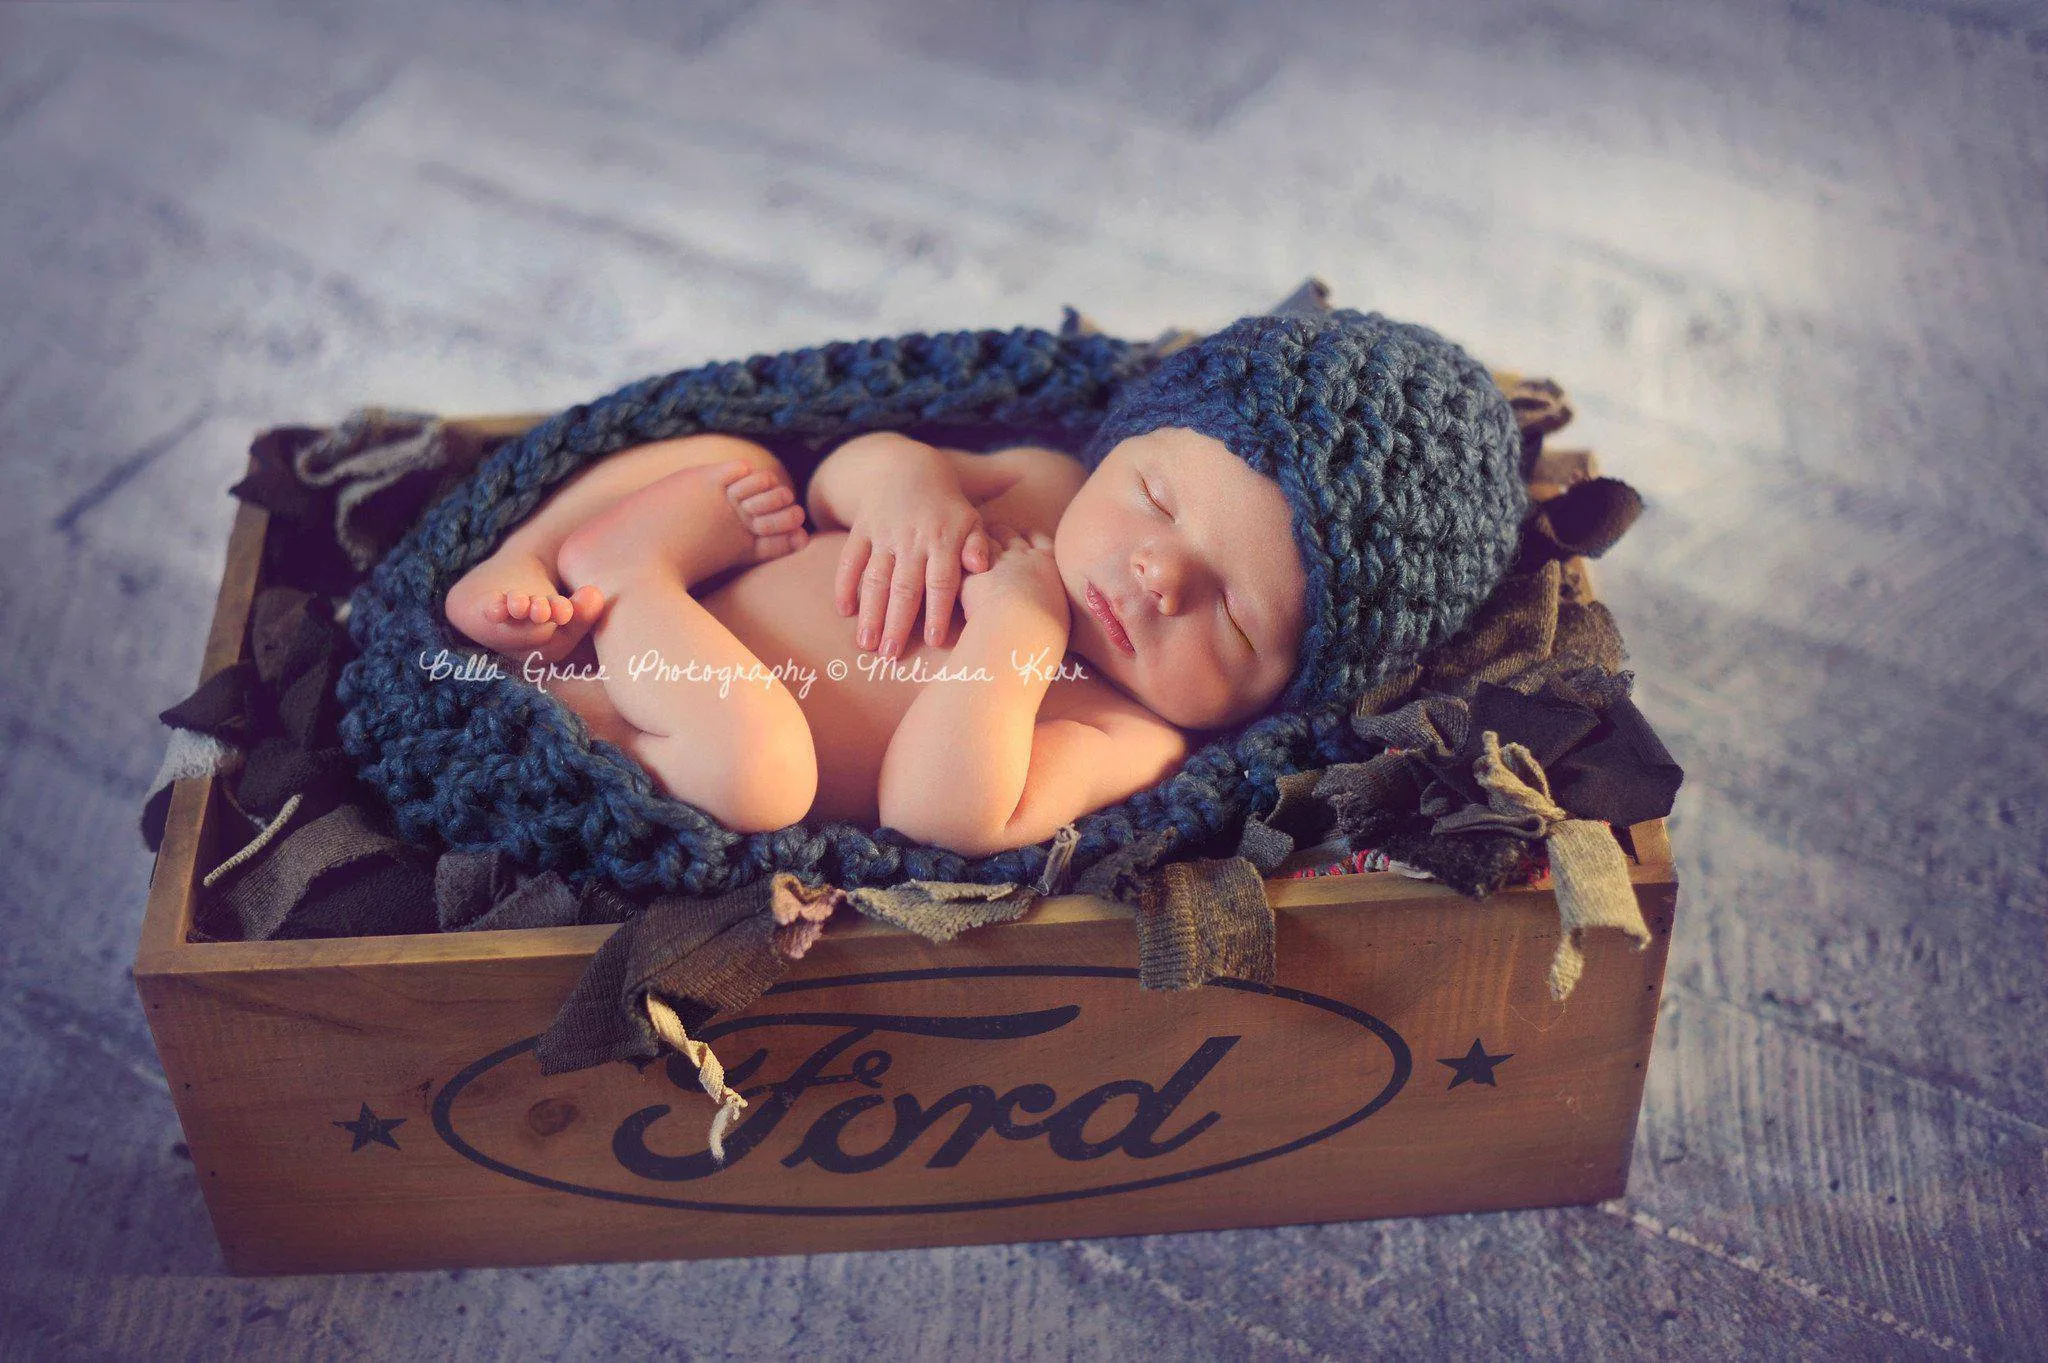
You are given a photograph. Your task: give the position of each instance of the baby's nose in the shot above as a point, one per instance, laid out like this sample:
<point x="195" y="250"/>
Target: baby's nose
<point x="1163" y="575"/>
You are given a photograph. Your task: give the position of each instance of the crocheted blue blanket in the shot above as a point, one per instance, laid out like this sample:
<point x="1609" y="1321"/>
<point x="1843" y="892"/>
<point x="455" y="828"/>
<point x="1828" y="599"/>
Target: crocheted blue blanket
<point x="502" y="766"/>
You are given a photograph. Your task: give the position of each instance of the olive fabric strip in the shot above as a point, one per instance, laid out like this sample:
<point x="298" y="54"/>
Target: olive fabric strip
<point x="1198" y="920"/>
<point x="1590" y="875"/>
<point x="940" y="910"/>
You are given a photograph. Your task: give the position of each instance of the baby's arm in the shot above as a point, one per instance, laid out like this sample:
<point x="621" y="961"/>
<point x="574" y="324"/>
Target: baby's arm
<point x="911" y="529"/>
<point x="972" y="767"/>
<point x="915" y="516"/>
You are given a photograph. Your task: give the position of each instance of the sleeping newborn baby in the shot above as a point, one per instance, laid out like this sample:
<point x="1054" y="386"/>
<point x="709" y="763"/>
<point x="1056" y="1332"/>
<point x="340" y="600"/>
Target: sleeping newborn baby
<point x="1277" y="516"/>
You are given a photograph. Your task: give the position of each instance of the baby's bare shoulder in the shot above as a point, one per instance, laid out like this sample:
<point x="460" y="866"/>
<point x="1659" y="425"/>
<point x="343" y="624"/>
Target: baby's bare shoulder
<point x="1099" y="705"/>
<point x="1026" y="487"/>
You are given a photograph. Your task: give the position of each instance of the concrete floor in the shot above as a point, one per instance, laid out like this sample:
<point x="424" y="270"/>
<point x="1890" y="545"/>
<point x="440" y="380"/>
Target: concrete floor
<point x="1788" y="258"/>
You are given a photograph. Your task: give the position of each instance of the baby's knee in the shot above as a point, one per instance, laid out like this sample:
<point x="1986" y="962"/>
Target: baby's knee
<point x="755" y="774"/>
<point x="773" y="781"/>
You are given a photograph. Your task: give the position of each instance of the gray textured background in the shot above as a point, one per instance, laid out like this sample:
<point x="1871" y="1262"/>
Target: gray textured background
<point x="1787" y="258"/>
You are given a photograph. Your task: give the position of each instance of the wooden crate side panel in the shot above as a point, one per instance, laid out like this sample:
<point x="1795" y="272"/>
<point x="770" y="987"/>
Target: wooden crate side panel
<point x="1329" y="1095"/>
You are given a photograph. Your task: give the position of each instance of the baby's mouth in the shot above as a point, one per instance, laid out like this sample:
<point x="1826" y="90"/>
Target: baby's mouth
<point x="1099" y="607"/>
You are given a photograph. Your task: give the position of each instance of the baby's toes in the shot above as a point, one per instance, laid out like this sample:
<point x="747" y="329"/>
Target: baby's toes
<point x="507" y="623"/>
<point x="778" y="522"/>
<point x="760" y="492"/>
<point x="573" y="617"/>
<point x="775" y="546"/>
<point x="537" y="609"/>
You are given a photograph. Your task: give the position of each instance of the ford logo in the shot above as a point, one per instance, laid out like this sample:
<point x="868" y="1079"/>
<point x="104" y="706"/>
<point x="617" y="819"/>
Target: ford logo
<point x="940" y="1085"/>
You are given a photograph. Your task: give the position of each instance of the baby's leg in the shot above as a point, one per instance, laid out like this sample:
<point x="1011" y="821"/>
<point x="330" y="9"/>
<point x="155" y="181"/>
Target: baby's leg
<point x="514" y="602"/>
<point x="746" y="757"/>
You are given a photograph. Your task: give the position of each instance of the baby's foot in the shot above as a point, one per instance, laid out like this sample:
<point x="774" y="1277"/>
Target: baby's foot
<point x="519" y="624"/>
<point x="696" y="522"/>
<point x="766" y="505"/>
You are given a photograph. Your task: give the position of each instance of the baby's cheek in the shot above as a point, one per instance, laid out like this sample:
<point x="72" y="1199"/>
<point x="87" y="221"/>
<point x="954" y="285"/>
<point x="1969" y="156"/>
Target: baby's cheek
<point x="1200" y="688"/>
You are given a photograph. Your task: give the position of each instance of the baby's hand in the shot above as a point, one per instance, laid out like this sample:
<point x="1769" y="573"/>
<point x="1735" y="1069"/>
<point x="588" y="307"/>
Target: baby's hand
<point x="909" y="552"/>
<point x="1024" y="571"/>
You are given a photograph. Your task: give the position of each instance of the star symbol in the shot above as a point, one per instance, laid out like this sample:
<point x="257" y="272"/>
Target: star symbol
<point x="1475" y="1065"/>
<point x="368" y="1127"/>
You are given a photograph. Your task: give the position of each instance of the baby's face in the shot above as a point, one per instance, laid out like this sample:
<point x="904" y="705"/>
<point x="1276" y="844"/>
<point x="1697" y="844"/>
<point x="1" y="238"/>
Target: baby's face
<point x="1193" y="552"/>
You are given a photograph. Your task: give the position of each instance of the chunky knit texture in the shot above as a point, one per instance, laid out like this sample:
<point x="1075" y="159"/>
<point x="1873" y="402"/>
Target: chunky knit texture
<point x="1400" y="461"/>
<point x="499" y="765"/>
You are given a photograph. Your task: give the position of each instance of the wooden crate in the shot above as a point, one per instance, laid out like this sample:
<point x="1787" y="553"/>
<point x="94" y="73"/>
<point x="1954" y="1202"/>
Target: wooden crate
<point x="373" y="1103"/>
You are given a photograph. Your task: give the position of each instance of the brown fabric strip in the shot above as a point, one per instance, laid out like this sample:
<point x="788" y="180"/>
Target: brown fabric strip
<point x="1235" y="918"/>
<point x="1116" y="873"/>
<point x="1264" y="847"/>
<point x="264" y="898"/>
<point x="728" y="972"/>
<point x="1515" y="629"/>
<point x="604" y="1017"/>
<point x="1360" y="793"/>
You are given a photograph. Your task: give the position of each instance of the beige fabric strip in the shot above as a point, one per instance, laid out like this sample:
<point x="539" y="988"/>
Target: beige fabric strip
<point x="1588" y="871"/>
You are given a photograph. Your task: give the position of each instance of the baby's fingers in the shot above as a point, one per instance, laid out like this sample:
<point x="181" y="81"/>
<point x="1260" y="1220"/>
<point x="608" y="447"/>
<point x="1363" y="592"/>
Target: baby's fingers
<point x="853" y="556"/>
<point x="941" y="589"/>
<point x="976" y="552"/>
<point x="906" y="590"/>
<point x="874" y="595"/>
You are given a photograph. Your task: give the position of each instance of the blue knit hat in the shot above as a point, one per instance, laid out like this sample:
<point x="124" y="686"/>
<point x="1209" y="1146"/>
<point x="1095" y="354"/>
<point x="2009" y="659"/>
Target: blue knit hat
<point x="1398" y="454"/>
